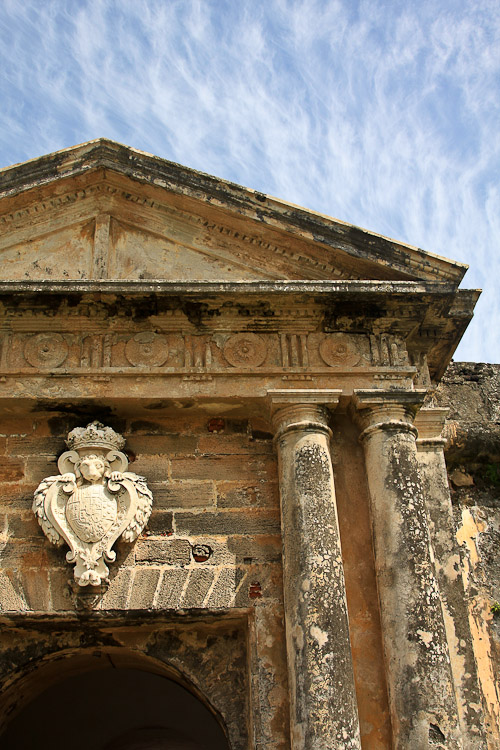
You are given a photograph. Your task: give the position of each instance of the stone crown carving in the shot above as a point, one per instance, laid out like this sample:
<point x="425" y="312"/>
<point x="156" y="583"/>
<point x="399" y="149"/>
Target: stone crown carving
<point x="94" y="435"/>
<point x="92" y="502"/>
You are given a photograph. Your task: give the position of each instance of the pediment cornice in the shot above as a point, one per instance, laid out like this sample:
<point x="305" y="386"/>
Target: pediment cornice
<point x="317" y="245"/>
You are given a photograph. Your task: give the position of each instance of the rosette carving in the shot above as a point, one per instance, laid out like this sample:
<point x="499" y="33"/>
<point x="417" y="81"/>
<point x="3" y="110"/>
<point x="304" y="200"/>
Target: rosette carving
<point x="245" y="350"/>
<point x="339" y="350"/>
<point x="147" y="349"/>
<point x="46" y="350"/>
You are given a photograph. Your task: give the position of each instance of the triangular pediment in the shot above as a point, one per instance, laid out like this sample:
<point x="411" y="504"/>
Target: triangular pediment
<point x="104" y="211"/>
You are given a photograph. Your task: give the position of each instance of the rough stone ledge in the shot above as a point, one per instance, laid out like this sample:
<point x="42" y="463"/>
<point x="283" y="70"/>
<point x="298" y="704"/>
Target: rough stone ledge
<point x="72" y="620"/>
<point x="470" y="391"/>
<point x="206" y="288"/>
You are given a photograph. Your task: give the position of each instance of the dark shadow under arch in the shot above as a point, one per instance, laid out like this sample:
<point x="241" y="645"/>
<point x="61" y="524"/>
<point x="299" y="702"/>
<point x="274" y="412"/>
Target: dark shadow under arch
<point x="106" y="700"/>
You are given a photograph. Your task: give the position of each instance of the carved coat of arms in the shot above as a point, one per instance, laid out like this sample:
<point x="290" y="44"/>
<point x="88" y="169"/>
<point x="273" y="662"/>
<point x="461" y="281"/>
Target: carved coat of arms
<point x="93" y="501"/>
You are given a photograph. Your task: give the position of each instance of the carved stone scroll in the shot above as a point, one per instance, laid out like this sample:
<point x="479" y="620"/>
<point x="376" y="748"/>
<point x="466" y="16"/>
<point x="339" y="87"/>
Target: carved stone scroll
<point x="92" y="502"/>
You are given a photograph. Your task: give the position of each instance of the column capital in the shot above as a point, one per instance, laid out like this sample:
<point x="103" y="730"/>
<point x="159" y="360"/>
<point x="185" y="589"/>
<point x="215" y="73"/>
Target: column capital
<point x="377" y="410"/>
<point x="305" y="409"/>
<point x="430" y="423"/>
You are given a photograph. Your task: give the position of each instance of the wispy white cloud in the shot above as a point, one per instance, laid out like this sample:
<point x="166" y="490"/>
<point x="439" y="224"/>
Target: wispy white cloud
<point x="383" y="114"/>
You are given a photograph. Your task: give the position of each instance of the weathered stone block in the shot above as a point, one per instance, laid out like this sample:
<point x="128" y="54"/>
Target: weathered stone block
<point x="22" y="525"/>
<point x="161" y="445"/>
<point x="170" y="588"/>
<point x="183" y="494"/>
<point x="144" y="588"/>
<point x="229" y="467"/>
<point x="228" y="522"/>
<point x="159" y="524"/>
<point x="233" y="444"/>
<point x="224" y="589"/>
<point x="255" y="548"/>
<point x="163" y="552"/>
<point x="117" y="595"/>
<point x="155" y="468"/>
<point x="35" y="446"/>
<point x="247" y="494"/>
<point x="125" y="554"/>
<point x="197" y="587"/>
<point x="11" y="470"/>
<point x="39" y="467"/>
<point x="12" y="597"/>
<point x="61" y="581"/>
<point x="35" y="553"/>
<point x="36" y="588"/>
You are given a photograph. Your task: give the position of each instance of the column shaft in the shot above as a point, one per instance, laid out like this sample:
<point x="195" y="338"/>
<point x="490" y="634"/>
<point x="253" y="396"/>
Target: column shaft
<point x="321" y="682"/>
<point x="421" y="692"/>
<point x="432" y="464"/>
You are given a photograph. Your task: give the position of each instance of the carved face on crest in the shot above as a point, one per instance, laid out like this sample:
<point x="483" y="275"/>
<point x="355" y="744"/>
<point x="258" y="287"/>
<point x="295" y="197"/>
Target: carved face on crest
<point x="93" y="468"/>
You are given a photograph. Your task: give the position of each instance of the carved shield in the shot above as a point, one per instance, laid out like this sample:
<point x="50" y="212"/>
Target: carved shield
<point x="91" y="512"/>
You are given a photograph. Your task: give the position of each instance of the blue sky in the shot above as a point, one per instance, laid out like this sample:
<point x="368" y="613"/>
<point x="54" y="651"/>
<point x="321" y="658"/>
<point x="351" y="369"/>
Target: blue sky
<point x="381" y="113"/>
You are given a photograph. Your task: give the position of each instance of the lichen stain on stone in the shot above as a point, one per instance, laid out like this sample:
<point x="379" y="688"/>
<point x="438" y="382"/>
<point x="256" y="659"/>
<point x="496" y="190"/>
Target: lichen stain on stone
<point x="468" y="533"/>
<point x="480" y="616"/>
<point x="319" y="635"/>
<point x="425" y="637"/>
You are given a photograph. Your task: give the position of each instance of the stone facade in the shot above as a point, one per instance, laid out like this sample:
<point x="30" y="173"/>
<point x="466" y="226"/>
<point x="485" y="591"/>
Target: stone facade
<point x="273" y="373"/>
<point x="470" y="393"/>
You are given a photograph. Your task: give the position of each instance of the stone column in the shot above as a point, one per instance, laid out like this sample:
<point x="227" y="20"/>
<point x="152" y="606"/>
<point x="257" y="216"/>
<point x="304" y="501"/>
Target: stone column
<point x="323" y="707"/>
<point x="419" y="679"/>
<point x="430" y="444"/>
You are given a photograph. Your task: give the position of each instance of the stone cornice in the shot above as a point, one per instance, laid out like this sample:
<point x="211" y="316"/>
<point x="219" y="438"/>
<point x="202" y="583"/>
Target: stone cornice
<point x="281" y="397"/>
<point x="206" y="288"/>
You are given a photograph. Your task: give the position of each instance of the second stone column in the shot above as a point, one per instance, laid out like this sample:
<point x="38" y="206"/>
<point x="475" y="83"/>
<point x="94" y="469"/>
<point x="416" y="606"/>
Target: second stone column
<point x="323" y="708"/>
<point x="421" y="691"/>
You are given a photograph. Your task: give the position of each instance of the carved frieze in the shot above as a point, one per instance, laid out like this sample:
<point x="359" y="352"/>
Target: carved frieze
<point x="104" y="350"/>
<point x="92" y="502"/>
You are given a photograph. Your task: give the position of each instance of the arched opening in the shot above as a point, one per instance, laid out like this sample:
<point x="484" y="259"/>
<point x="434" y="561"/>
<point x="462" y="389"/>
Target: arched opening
<point x="102" y="701"/>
